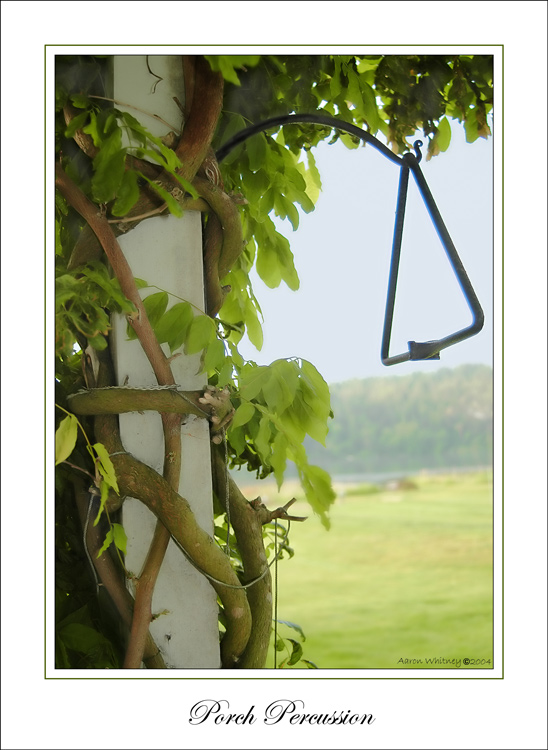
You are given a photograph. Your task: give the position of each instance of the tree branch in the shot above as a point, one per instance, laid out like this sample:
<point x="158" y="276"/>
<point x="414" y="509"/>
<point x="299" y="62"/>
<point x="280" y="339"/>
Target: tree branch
<point x="123" y="400"/>
<point x="223" y="241"/>
<point x="205" y="110"/>
<point x="138" y="480"/>
<point x="247" y="523"/>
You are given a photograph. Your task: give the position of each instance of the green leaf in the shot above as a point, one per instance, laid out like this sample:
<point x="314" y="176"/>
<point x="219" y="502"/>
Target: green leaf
<point x="235" y="124"/>
<point x="262" y="439"/>
<point x="312" y="178"/>
<point x="443" y="134"/>
<point x="335" y="82"/>
<point x="318" y="489"/>
<point x="287" y="373"/>
<point x="353" y="91"/>
<point x="243" y="414"/>
<point x="162" y="154"/>
<point x="268" y="266"/>
<point x="471" y="126"/>
<point x="252" y="380"/>
<point x="370" y="108"/>
<point x="215" y="356"/>
<point x="349" y="141"/>
<point x="80" y="101"/>
<point x="227" y="65"/>
<point x="66" y="287"/>
<point x="266" y="203"/>
<point x="188" y="186"/>
<point x="226" y="373"/>
<point x="254" y="186"/>
<point x="173" y="325"/>
<point x="127" y="194"/>
<point x="289" y="274"/>
<point x="58" y="241"/>
<point x="109" y="168"/>
<point x="316" y="383"/>
<point x="200" y="334"/>
<point x="274" y="257"/>
<point x="61" y="204"/>
<point x="120" y="537"/>
<point x="105" y="487"/>
<point x="108" y="541"/>
<point x="256" y="151"/>
<point x="294" y="626"/>
<point x="273" y="393"/>
<point x="278" y="459"/>
<point x="105" y="466"/>
<point x="253" y="326"/>
<point x="293" y="427"/>
<point x="368" y="63"/>
<point x="92" y="129"/>
<point x="65" y="438"/>
<point x="314" y="424"/>
<point x="285" y="209"/>
<point x="155" y="306"/>
<point x="281" y="388"/>
<point x="296" y="653"/>
<point x="228" y="71"/>
<point x="168" y="199"/>
<point x="236" y="437"/>
<point x="441" y="140"/>
<point x="76" y="124"/>
<point x="98" y="273"/>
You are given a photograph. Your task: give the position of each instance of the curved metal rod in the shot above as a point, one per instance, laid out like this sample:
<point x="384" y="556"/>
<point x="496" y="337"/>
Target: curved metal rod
<point x="409" y="161"/>
<point x="315" y="119"/>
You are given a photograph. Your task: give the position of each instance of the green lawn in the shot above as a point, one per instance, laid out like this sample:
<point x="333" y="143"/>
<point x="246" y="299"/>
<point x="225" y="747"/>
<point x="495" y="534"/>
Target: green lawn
<point x="400" y="575"/>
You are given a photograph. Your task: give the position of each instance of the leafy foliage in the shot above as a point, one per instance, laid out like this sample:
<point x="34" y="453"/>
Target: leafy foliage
<point x="82" y="298"/>
<point x="390" y="95"/>
<point x="279" y="407"/>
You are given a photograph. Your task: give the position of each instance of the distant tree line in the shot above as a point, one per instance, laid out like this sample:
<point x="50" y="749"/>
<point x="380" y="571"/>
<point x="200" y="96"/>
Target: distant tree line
<point x="419" y="421"/>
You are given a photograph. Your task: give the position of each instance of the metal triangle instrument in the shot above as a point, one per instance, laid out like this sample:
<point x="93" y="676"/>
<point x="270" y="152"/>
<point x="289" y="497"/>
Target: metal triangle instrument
<point x="425" y="349"/>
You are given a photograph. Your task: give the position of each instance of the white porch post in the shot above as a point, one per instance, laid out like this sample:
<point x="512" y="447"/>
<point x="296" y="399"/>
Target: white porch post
<point x="167" y="253"/>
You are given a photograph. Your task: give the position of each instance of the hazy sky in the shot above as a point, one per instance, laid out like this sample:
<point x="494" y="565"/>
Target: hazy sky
<point x="342" y="254"/>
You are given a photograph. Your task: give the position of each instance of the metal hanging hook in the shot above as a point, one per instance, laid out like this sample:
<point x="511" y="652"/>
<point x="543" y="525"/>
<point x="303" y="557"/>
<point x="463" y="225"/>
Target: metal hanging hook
<point x="407" y="162"/>
<point x="418" y="153"/>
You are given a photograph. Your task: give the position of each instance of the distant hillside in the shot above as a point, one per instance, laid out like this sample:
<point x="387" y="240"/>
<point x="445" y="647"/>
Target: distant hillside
<point x="419" y="421"/>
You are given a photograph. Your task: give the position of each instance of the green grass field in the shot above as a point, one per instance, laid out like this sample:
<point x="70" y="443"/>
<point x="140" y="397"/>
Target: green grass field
<point x="402" y="574"/>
